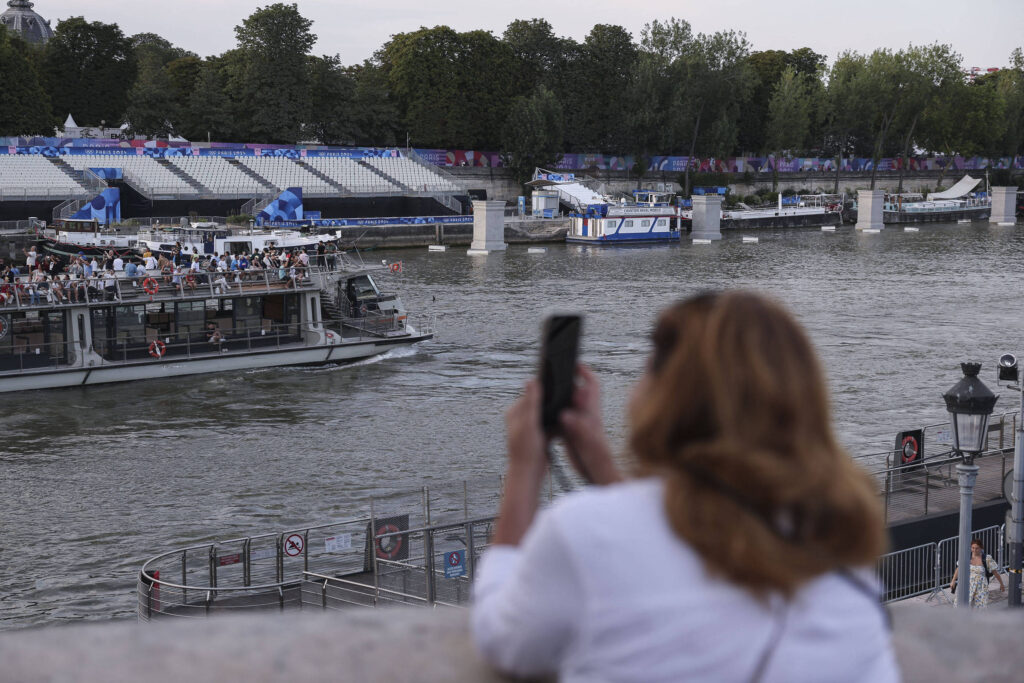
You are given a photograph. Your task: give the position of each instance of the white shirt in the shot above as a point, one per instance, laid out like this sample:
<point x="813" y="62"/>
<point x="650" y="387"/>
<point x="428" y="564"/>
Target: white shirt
<point x="30" y="258"/>
<point x="151" y="263"/>
<point x="118" y="263"/>
<point x="602" y="589"/>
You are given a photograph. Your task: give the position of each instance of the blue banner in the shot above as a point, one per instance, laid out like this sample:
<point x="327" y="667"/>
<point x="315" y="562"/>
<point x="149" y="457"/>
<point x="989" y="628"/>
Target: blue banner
<point x="105" y="207"/>
<point x="287" y="207"/>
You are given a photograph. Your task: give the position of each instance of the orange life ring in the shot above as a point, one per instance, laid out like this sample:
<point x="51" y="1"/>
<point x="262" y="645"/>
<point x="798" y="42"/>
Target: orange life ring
<point x="396" y="267"/>
<point x="150" y="286"/>
<point x="388" y="548"/>
<point x="157" y="349"/>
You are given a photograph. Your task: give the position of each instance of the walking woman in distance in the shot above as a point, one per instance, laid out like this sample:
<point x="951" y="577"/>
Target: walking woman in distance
<point x="739" y="549"/>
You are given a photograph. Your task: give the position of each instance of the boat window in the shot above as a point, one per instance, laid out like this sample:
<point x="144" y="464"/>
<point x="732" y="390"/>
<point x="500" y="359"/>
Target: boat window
<point x="362" y="286"/>
<point x="628" y="224"/>
<point x="31" y="340"/>
<point x="661" y="222"/>
<point x="130" y="324"/>
<point x="646" y="223"/>
<point x="239" y="247"/>
<point x="611" y="225"/>
<point x="190" y="318"/>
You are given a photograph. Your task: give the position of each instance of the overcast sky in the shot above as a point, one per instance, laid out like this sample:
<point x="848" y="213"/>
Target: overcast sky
<point x="983" y="31"/>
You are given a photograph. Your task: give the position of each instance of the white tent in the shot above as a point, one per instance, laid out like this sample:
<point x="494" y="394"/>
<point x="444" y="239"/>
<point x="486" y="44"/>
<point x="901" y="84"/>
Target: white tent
<point x="963" y="186"/>
<point x="70" y="123"/>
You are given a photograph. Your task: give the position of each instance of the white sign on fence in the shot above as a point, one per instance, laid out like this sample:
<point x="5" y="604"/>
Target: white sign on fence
<point x="263" y="553"/>
<point x="339" y="542"/>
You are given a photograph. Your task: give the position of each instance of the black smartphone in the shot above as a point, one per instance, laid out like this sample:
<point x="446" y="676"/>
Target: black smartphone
<point x="560" y="341"/>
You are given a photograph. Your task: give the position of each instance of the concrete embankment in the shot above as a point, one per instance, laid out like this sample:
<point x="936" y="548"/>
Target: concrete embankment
<point x="932" y="644"/>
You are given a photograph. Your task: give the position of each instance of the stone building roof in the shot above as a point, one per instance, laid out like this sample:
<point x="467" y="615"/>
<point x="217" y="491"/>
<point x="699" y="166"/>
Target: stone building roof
<point x="20" y="18"/>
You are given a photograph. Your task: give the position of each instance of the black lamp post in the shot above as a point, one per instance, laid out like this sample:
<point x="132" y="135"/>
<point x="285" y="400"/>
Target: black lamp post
<point x="969" y="403"/>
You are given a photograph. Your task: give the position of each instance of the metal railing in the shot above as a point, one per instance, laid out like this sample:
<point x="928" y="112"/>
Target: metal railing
<point x="928" y="569"/>
<point x="331" y="564"/>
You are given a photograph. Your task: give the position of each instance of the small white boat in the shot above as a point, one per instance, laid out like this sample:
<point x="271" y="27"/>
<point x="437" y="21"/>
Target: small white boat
<point x="701" y="240"/>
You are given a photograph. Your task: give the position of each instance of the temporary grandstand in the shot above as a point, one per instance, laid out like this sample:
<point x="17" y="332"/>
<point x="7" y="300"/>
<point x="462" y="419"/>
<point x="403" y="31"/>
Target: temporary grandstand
<point x="218" y="180"/>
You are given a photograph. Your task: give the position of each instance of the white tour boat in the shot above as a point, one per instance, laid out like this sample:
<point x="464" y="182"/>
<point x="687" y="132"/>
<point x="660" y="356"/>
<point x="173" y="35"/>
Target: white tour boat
<point x="651" y="216"/>
<point x="73" y="236"/>
<point x="116" y="329"/>
<point x="210" y="238"/>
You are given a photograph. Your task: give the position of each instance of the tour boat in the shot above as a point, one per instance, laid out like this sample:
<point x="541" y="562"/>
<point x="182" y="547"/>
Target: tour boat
<point x="73" y="236"/>
<point x="649" y="217"/>
<point x="209" y="239"/>
<point x="116" y="329"/>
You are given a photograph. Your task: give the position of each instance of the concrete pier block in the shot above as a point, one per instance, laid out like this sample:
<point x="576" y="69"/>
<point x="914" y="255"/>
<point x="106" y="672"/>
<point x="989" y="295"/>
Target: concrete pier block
<point x="1004" y="205"/>
<point x="488" y="227"/>
<point x="707" y="218"/>
<point x="869" y="209"/>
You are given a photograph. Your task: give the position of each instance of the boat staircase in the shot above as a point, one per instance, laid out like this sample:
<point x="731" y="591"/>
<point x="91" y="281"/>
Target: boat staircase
<point x="322" y="176"/>
<point x="192" y="182"/>
<point x="270" y="187"/>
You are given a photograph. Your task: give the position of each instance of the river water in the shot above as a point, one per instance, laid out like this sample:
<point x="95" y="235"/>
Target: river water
<point x="97" y="480"/>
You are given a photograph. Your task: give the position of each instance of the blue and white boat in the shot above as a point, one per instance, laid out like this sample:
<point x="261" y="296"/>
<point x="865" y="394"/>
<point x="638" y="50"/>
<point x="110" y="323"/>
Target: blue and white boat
<point x="651" y="216"/>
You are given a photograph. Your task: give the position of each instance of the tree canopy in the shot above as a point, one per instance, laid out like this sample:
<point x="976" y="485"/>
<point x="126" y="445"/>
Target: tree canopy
<point x="668" y="90"/>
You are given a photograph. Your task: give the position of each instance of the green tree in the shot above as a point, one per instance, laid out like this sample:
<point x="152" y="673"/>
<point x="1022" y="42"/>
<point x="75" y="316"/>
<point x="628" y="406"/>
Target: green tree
<point x="601" y="75"/>
<point x="714" y="82"/>
<point x="331" y="91"/>
<point x="451" y="89"/>
<point x="274" y="43"/>
<point x="846" y="106"/>
<point x="928" y="68"/>
<point x="25" y="106"/>
<point x="154" y="107"/>
<point x="209" y="114"/>
<point x="963" y="118"/>
<point x="89" y="68"/>
<point x="183" y="74"/>
<point x="532" y="135"/>
<point x="789" y="116"/>
<point x="375" y="116"/>
<point x="538" y="54"/>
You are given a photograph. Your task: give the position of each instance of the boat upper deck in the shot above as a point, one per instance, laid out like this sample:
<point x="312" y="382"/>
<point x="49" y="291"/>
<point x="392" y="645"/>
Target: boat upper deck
<point x="113" y="287"/>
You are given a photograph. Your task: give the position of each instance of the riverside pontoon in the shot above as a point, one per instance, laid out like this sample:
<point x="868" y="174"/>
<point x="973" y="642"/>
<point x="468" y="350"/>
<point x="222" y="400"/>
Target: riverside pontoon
<point x="114" y="328"/>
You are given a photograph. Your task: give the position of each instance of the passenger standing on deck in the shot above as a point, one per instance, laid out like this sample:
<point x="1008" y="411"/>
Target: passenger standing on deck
<point x="118" y="263"/>
<point x="31" y="258"/>
<point x="744" y="550"/>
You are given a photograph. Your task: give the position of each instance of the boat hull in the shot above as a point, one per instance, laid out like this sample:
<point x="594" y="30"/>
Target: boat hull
<point x="206" y="364"/>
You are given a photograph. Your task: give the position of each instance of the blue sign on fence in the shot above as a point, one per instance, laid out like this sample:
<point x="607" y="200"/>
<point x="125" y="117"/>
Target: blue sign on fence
<point x="455" y="564"/>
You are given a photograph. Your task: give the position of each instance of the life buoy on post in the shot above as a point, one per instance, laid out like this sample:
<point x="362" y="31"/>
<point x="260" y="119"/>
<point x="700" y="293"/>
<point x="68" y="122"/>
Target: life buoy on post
<point x="150" y="286"/>
<point x="157" y="349"/>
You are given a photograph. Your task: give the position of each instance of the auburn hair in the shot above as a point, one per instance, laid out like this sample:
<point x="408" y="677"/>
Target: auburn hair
<point x="734" y="416"/>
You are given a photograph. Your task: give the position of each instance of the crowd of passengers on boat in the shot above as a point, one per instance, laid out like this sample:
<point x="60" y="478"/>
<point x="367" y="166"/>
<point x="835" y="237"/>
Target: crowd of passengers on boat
<point x="82" y="279"/>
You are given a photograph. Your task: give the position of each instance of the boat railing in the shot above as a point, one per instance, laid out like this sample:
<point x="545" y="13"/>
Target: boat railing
<point x="117" y="287"/>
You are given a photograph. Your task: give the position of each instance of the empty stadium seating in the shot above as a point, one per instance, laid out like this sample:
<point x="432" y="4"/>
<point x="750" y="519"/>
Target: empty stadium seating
<point x="219" y="175"/>
<point x="145" y="172"/>
<point x="353" y="176"/>
<point x="283" y="173"/>
<point x="35" y="176"/>
<point x="413" y="175"/>
<point x="31" y="176"/>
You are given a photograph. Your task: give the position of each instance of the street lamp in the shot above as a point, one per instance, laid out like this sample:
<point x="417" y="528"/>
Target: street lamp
<point x="969" y="403"/>
<point x="1009" y="373"/>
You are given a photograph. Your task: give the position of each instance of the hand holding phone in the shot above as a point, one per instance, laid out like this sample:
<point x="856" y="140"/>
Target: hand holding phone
<point x="560" y="339"/>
